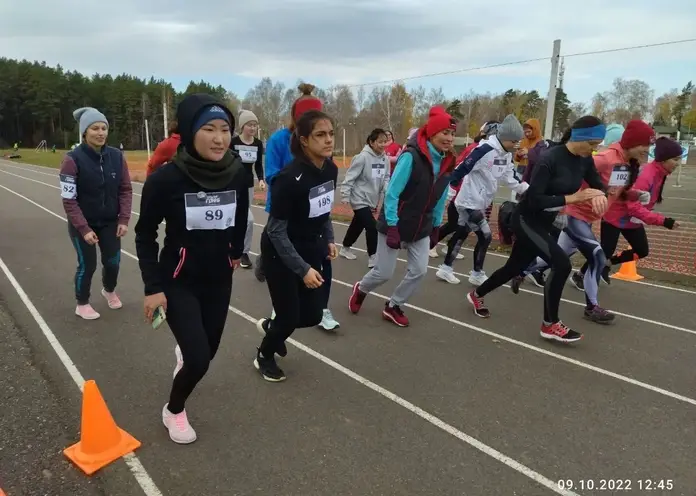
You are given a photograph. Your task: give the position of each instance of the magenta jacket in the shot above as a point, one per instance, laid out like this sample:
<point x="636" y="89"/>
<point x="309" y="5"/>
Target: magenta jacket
<point x="632" y="214"/>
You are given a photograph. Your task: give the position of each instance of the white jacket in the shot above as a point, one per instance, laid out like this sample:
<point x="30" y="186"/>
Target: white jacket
<point x="483" y="169"/>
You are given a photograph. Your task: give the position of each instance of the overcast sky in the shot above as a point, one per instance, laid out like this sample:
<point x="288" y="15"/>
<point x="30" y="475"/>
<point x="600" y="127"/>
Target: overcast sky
<point x="235" y="43"/>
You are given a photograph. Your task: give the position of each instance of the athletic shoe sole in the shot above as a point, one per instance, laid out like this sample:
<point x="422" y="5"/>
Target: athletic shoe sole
<point x="468" y="297"/>
<point x="553" y="337"/>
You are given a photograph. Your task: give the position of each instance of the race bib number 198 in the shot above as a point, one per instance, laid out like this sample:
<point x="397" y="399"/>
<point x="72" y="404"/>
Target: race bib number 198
<point x="619" y="176"/>
<point x="206" y="211"/>
<point x="68" y="187"/>
<point x="321" y="199"/>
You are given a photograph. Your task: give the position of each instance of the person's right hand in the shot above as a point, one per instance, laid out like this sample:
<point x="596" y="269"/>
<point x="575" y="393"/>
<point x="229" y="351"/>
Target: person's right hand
<point x="312" y="279"/>
<point x="151" y="303"/>
<point x="91" y="238"/>
<point x="585" y="195"/>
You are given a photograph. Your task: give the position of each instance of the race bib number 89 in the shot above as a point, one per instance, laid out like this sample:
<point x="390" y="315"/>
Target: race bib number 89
<point x="68" y="187"/>
<point x="210" y="211"/>
<point x="619" y="176"/>
<point x="321" y="199"/>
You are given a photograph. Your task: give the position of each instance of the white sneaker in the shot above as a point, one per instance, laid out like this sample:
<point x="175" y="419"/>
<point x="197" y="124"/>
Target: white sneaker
<point x="458" y="257"/>
<point x="86" y="312"/>
<point x="372" y="261"/>
<point x="328" y="323"/>
<point x="446" y="274"/>
<point x="347" y="253"/>
<point x="433" y="253"/>
<point x="477" y="278"/>
<point x="180" y="431"/>
<point x="179" y="360"/>
<point x="273" y="313"/>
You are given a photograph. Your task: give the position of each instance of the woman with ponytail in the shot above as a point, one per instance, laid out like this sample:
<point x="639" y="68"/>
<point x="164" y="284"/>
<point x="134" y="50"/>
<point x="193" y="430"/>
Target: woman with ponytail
<point x="555" y="184"/>
<point x="278" y="156"/>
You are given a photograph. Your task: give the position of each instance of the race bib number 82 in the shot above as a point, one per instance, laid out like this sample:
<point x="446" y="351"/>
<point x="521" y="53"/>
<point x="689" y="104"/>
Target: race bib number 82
<point x="68" y="187"/>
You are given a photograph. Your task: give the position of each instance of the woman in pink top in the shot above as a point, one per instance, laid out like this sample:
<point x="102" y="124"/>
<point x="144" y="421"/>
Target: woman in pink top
<point x="629" y="217"/>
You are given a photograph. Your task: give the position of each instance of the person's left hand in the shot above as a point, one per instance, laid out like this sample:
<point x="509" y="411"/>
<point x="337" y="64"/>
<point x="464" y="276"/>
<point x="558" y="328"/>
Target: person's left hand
<point x="333" y="252"/>
<point x="599" y="205"/>
<point x="262" y="185"/>
<point x="236" y="263"/>
<point x="121" y="230"/>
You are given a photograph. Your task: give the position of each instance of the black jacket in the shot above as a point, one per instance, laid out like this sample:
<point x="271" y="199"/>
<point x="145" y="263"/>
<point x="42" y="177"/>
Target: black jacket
<point x="421" y="193"/>
<point x="195" y="255"/>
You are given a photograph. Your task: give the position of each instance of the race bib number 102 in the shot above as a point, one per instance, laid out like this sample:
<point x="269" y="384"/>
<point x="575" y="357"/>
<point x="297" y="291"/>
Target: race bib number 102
<point x="208" y="211"/>
<point x="321" y="199"/>
<point x="619" y="176"/>
<point x="68" y="187"/>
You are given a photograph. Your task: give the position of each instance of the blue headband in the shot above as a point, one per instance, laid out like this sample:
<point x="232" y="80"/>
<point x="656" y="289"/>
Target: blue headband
<point x="588" y="133"/>
<point x="209" y="114"/>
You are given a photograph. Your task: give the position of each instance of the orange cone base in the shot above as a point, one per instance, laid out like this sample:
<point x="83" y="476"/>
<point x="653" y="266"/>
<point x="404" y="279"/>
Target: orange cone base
<point x="90" y="463"/>
<point x="618" y="275"/>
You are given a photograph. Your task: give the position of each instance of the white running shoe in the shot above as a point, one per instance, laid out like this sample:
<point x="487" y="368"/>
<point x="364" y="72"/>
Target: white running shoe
<point x="372" y="261"/>
<point x="446" y="274"/>
<point x="180" y="431"/>
<point x="477" y="278"/>
<point x="328" y="322"/>
<point x="347" y="253"/>
<point x="179" y="360"/>
<point x="86" y="312"/>
<point x="433" y="253"/>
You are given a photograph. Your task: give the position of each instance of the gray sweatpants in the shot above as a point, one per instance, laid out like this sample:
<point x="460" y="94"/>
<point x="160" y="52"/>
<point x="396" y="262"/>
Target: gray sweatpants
<point x="416" y="268"/>
<point x="250" y="224"/>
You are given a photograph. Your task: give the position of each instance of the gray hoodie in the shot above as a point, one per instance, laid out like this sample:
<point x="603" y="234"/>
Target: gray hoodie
<point x="366" y="179"/>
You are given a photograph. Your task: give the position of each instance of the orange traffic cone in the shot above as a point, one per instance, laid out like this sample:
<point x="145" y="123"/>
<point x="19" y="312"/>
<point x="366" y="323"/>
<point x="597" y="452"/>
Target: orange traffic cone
<point x="101" y="440"/>
<point x="2" y="493"/>
<point x="628" y="272"/>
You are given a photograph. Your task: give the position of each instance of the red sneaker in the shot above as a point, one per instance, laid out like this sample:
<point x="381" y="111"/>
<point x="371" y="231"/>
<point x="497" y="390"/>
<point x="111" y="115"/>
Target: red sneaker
<point x="356" y="298"/>
<point x="477" y="302"/>
<point x="558" y="331"/>
<point x="395" y="315"/>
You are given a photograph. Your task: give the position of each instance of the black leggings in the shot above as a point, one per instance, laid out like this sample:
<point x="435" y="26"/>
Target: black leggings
<point x="475" y="220"/>
<point x="534" y="239"/>
<point x="110" y="248"/>
<point x="362" y="219"/>
<point x="196" y="314"/>
<point x="296" y="306"/>
<point x="609" y="239"/>
<point x="452" y="222"/>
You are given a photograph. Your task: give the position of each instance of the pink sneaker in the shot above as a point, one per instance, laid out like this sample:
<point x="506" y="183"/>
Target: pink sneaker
<point x="180" y="431"/>
<point x="86" y="312"/>
<point x="112" y="299"/>
<point x="179" y="360"/>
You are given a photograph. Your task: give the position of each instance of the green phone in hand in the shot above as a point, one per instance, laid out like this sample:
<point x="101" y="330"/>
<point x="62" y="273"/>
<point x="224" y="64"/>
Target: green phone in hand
<point x="158" y="317"/>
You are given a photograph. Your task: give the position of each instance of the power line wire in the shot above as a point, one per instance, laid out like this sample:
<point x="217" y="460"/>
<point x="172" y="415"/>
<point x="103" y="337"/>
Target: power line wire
<point x="518" y="62"/>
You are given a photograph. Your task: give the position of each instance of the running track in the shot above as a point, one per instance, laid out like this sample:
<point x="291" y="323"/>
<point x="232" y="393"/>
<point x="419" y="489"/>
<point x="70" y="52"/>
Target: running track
<point x="452" y="405"/>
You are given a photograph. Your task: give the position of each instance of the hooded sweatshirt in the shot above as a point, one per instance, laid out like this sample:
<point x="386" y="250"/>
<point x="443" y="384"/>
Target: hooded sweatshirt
<point x="485" y="166"/>
<point x="632" y="214"/>
<point x="164" y="152"/>
<point x="366" y="179"/>
<point x="529" y="143"/>
<point x="278" y="155"/>
<point x="205" y="226"/>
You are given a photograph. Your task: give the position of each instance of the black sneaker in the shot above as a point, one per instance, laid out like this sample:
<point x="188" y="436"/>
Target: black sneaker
<point x="515" y="283"/>
<point x="263" y="325"/>
<point x="599" y="315"/>
<point x="537" y="278"/>
<point x="245" y="261"/>
<point x="268" y="368"/>
<point x="558" y="331"/>
<point x="578" y="280"/>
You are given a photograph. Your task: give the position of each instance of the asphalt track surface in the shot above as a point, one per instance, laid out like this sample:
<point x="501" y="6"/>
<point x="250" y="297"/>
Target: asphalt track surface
<point x="452" y="405"/>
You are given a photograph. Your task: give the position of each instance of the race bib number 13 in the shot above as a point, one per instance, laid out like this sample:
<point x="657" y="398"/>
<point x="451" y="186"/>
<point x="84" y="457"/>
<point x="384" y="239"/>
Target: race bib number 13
<point x="321" y="199"/>
<point x="208" y="211"/>
<point x="619" y="176"/>
<point x="68" y="187"/>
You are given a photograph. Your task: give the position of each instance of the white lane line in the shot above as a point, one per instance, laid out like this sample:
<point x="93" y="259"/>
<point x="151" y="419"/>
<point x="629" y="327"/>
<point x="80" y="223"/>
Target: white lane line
<point x="628" y="316"/>
<point x="132" y="461"/>
<point x="660" y="286"/>
<point x="432" y="419"/>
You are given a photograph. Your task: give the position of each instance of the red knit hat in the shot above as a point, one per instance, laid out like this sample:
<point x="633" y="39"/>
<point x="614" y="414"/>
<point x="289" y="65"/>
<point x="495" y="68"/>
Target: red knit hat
<point x="439" y="120"/>
<point x="306" y="102"/>
<point x="637" y="133"/>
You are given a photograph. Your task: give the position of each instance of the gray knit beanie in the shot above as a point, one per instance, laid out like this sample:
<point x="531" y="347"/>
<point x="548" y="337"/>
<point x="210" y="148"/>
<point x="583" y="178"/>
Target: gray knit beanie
<point x="510" y="129"/>
<point x="86" y="116"/>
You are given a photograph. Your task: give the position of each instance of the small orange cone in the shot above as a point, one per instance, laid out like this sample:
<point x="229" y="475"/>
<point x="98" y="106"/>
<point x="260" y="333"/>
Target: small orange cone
<point x="101" y="440"/>
<point x="2" y="493"/>
<point x="628" y="271"/>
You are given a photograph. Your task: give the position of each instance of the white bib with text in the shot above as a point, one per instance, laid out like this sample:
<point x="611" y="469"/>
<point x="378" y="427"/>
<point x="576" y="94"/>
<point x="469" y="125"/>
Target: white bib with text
<point x="619" y="176"/>
<point x="378" y="171"/>
<point x="499" y="166"/>
<point x="248" y="153"/>
<point x="321" y="199"/>
<point x="68" y="187"/>
<point x="207" y="211"/>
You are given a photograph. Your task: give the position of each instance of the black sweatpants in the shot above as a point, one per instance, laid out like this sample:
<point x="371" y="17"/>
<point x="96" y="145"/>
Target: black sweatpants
<point x="110" y="251"/>
<point x="196" y="314"/>
<point x="296" y="306"/>
<point x="362" y="219"/>
<point x="534" y="239"/>
<point x="609" y="239"/>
